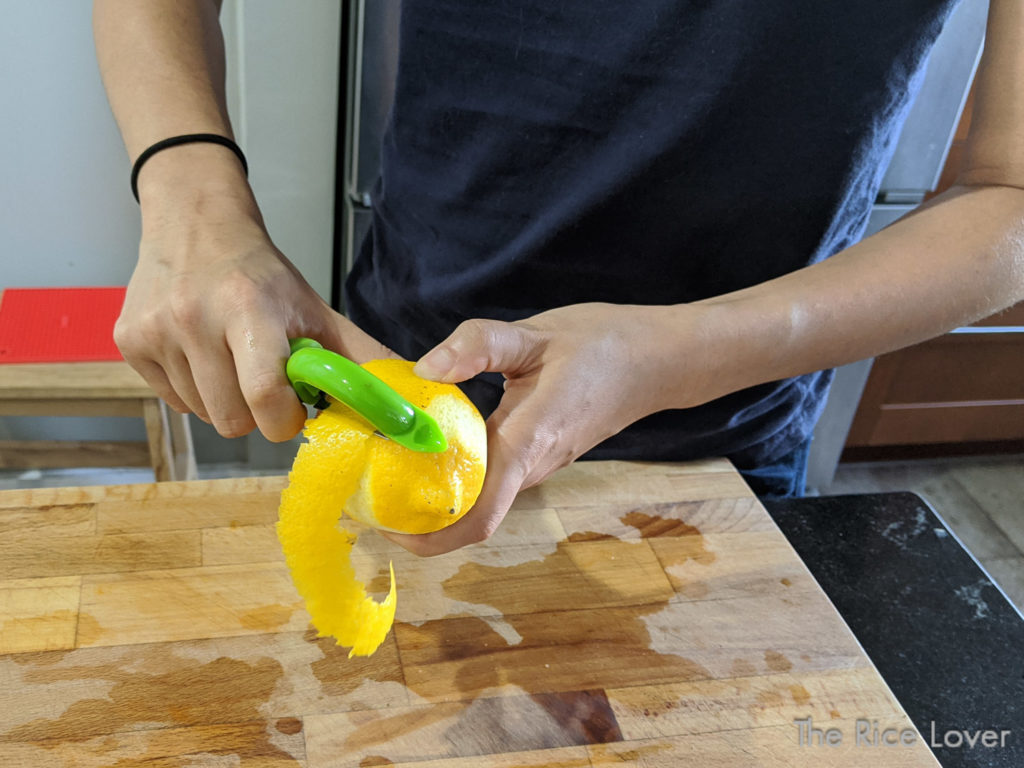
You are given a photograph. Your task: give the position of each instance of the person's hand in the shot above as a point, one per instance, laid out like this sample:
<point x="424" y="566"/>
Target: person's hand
<point x="574" y="377"/>
<point x="208" y="314"/>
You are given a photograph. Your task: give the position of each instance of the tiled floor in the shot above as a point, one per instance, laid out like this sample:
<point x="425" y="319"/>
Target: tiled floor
<point x="981" y="499"/>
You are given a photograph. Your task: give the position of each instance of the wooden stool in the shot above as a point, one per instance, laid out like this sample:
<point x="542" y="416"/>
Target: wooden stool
<point x="93" y="389"/>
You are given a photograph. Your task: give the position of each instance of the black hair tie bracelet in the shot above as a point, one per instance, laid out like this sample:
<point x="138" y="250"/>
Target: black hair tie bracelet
<point x="188" y="138"/>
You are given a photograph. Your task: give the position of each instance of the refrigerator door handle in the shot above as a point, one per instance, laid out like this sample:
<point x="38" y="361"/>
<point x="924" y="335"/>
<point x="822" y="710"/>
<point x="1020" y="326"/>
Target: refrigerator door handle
<point x="354" y="96"/>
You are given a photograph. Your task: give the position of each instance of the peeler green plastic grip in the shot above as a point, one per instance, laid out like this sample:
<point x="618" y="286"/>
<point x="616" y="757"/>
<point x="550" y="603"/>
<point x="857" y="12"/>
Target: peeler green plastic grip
<point x="315" y="371"/>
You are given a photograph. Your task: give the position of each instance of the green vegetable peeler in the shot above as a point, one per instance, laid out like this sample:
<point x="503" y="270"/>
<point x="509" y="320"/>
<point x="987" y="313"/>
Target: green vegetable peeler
<point x="316" y="372"/>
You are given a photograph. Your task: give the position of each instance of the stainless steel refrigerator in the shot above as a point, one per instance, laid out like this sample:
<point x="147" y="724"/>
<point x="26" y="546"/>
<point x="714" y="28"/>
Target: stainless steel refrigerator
<point x="370" y="62"/>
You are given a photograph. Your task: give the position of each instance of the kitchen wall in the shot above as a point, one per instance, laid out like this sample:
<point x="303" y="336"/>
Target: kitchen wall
<point x="66" y="213"/>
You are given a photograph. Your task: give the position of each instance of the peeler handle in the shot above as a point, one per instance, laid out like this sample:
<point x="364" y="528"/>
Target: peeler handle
<point x="314" y="371"/>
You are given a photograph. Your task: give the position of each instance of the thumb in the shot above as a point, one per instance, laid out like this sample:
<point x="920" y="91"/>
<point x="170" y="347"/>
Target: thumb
<point x="477" y="346"/>
<point x="341" y="335"/>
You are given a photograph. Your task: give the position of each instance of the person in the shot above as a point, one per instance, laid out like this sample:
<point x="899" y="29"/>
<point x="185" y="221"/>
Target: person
<point x="630" y="230"/>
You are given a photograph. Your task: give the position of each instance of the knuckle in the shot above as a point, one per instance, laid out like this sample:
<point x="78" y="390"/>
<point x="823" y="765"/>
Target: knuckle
<point x="131" y="336"/>
<point x="479" y="537"/>
<point x="150" y="332"/>
<point x="481" y="533"/>
<point x="477" y="331"/>
<point x="123" y="334"/>
<point x="186" y="310"/>
<point x="234" y="426"/>
<point x="263" y="389"/>
<point x="241" y="292"/>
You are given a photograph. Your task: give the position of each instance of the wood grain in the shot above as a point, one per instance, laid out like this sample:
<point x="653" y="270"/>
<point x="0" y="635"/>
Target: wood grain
<point x="93" y="380"/>
<point x="479" y="727"/>
<point x="771" y="747"/>
<point x="31" y="454"/>
<point x="176" y="513"/>
<point x="257" y="743"/>
<point x="639" y="614"/>
<point x="94" y="389"/>
<point x="241" y="544"/>
<point x="28" y="556"/>
<point x="49" y="520"/>
<point x="188" y="603"/>
<point x="39" y="614"/>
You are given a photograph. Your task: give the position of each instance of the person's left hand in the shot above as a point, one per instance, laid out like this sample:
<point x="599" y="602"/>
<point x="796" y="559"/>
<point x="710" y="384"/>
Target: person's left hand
<point x="574" y="377"/>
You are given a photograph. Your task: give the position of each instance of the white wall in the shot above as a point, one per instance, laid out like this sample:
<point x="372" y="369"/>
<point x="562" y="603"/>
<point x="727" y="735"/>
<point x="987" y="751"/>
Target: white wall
<point x="283" y="100"/>
<point x="67" y="216"/>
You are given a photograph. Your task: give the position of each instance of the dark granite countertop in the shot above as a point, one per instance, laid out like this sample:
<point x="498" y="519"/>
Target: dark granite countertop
<point x="943" y="636"/>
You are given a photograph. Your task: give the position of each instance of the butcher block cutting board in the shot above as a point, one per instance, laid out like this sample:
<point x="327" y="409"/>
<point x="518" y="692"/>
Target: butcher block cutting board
<point x="637" y="614"/>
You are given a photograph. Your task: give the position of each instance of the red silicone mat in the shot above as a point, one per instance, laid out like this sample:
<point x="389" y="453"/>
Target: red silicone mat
<point x="59" y="325"/>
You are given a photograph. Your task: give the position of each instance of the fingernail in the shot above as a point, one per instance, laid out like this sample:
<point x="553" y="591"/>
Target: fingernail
<point x="435" y="364"/>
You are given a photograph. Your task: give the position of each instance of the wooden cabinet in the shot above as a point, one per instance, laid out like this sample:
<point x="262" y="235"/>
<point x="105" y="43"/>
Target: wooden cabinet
<point x="964" y="387"/>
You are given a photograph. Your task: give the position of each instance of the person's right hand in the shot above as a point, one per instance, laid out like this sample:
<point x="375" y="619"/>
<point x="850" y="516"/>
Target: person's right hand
<point x="209" y="311"/>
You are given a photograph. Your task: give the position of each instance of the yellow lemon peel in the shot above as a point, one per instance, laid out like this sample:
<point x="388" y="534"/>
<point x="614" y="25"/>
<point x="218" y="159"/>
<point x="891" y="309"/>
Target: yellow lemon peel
<point x="345" y="468"/>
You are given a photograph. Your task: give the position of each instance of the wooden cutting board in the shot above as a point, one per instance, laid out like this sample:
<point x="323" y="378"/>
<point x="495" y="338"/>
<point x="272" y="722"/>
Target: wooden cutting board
<point x="638" y="614"/>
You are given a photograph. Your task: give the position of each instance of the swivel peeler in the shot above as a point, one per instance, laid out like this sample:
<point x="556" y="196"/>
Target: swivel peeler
<point x="316" y="372"/>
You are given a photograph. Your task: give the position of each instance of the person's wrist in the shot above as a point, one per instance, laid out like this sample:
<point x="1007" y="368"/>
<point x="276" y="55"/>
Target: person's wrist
<point x="693" y="354"/>
<point x="747" y="338"/>
<point x="194" y="179"/>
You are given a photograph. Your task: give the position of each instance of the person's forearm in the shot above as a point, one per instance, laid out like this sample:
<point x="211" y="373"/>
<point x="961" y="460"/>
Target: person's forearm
<point x="162" y="63"/>
<point x="956" y="260"/>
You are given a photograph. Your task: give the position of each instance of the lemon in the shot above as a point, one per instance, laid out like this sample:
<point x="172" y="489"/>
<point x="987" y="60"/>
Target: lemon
<point x="346" y="468"/>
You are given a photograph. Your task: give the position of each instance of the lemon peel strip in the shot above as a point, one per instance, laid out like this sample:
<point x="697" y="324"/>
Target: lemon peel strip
<point x="318" y="553"/>
<point x="345" y="470"/>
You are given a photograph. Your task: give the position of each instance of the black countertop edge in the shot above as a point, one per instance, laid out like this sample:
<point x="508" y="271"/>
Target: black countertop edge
<point x="944" y="637"/>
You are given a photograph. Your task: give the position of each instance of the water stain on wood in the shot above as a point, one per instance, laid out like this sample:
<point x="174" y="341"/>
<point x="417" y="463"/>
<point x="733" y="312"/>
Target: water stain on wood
<point x="690" y="546"/>
<point x="589" y="536"/>
<point x="585" y="717"/>
<point x="651" y="526"/>
<point x="267" y="618"/>
<point x="489" y="585"/>
<point x="596" y="574"/>
<point x="545" y="664"/>
<point x="392" y="727"/>
<point x="742" y="668"/>
<point x="665" y="708"/>
<point x="88" y="631"/>
<point x="39" y="658"/>
<point x="379" y="585"/>
<point x="639" y="755"/>
<point x="785" y="582"/>
<point x="769" y="699"/>
<point x="777" y="662"/>
<point x="339" y="675"/>
<point x="209" y="745"/>
<point x="288" y="725"/>
<point x="694" y="590"/>
<point x="182" y="693"/>
<point x="800" y="694"/>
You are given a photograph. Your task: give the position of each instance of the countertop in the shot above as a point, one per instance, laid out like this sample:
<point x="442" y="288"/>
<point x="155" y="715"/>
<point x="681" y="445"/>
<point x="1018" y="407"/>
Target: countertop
<point x="945" y="638"/>
<point x="625" y="613"/>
